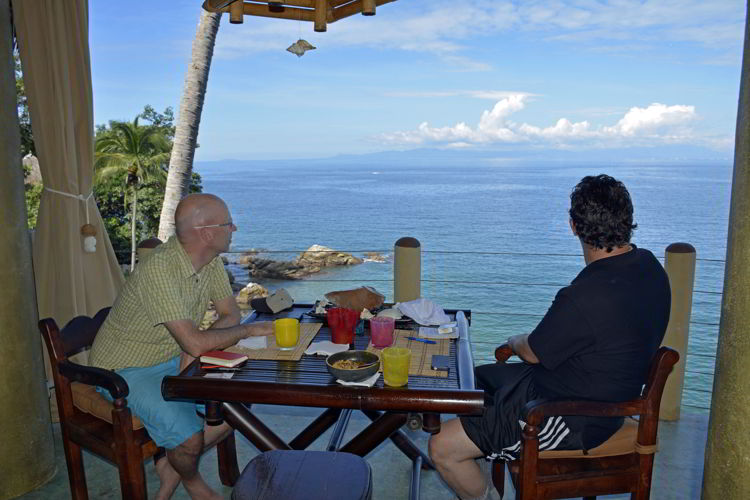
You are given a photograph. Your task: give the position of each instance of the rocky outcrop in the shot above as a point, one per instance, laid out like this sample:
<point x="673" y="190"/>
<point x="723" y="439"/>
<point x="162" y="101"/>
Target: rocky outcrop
<point x="375" y="257"/>
<point x="320" y="256"/>
<point x="311" y="261"/>
<point x="251" y="291"/>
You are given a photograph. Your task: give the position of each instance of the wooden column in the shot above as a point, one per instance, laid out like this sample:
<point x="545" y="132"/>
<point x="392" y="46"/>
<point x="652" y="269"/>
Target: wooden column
<point x="679" y="262"/>
<point x="727" y="460"/>
<point x="27" y="454"/>
<point x="407" y="270"/>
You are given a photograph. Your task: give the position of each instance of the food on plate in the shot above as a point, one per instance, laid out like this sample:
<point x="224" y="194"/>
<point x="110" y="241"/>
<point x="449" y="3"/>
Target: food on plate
<point x="365" y="314"/>
<point x="360" y="298"/>
<point x="320" y="306"/>
<point x="349" y="364"/>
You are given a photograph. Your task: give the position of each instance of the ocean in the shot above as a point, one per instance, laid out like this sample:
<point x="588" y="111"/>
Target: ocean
<point x="495" y="238"/>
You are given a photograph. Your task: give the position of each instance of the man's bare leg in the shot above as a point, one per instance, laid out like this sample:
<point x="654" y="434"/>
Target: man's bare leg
<point x="168" y="477"/>
<point x="453" y="454"/>
<point x="184" y="460"/>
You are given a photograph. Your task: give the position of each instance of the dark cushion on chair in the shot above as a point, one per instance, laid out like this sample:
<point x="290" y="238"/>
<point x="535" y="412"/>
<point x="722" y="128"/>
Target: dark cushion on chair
<point x="309" y="475"/>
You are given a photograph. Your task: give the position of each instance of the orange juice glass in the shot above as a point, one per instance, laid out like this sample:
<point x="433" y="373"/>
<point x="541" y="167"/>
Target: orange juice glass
<point x="396" y="366"/>
<point x="286" y="331"/>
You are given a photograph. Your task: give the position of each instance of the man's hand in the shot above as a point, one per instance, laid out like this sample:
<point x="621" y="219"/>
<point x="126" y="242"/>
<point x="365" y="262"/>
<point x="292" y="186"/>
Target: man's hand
<point x="259" y="329"/>
<point x="520" y="346"/>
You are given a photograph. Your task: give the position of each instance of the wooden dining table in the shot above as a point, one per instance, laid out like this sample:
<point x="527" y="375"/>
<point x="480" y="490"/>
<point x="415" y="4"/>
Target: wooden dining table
<point x="308" y="383"/>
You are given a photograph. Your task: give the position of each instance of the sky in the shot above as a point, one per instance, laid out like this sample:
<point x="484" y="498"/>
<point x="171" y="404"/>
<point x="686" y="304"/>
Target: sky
<point x="479" y="75"/>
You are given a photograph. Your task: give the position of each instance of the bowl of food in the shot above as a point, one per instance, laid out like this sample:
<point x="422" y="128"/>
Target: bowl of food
<point x="353" y="366"/>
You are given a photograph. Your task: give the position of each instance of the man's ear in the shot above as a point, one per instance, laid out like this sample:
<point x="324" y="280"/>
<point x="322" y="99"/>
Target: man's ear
<point x="573" y="227"/>
<point x="205" y="236"/>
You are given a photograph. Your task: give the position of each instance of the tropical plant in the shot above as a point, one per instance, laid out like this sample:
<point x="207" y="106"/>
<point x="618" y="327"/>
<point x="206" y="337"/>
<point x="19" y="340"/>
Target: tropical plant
<point x="191" y="107"/>
<point x="134" y="154"/>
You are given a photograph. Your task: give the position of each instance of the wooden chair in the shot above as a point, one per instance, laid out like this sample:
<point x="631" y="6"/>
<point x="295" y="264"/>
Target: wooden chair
<point x="89" y="421"/>
<point x="622" y="464"/>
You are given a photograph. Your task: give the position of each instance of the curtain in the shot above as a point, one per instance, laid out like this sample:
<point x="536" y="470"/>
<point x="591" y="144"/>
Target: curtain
<point x="54" y="48"/>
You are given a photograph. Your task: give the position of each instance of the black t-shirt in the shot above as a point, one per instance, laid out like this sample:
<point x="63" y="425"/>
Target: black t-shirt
<point x="599" y="335"/>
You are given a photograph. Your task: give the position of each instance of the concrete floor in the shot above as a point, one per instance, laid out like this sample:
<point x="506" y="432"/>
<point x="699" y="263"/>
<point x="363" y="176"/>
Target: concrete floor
<point x="677" y="471"/>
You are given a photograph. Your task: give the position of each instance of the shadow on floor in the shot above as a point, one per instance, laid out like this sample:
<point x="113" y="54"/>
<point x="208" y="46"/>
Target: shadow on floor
<point x="677" y="471"/>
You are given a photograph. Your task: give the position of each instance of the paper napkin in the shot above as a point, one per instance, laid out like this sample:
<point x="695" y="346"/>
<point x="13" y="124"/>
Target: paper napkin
<point x="326" y="347"/>
<point x="253" y="342"/>
<point x="368" y="382"/>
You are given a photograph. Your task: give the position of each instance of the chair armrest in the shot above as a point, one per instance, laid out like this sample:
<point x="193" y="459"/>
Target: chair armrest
<point x="90" y="375"/>
<point x="535" y="411"/>
<point x="503" y="352"/>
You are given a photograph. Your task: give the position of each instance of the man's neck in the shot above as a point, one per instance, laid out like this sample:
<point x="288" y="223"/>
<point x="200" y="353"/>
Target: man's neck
<point x="198" y="254"/>
<point x="591" y="254"/>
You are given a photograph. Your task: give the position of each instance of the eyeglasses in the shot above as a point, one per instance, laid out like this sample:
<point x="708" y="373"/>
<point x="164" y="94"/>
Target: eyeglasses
<point x="226" y="224"/>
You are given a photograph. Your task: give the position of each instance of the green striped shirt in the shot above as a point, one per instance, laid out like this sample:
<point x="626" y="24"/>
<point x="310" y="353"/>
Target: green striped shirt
<point x="164" y="287"/>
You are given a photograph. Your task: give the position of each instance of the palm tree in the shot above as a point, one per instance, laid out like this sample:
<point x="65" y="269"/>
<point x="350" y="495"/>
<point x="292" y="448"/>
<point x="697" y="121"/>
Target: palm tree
<point x="189" y="118"/>
<point x="138" y="154"/>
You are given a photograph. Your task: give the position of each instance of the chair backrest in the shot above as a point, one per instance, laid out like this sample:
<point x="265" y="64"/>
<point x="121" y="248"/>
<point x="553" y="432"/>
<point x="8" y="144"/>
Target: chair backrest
<point x="76" y="336"/>
<point x="661" y="366"/>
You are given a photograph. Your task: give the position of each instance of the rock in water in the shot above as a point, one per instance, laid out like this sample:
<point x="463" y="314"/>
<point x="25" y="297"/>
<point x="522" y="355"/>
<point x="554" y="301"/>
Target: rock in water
<point x="250" y="292"/>
<point x="318" y="255"/>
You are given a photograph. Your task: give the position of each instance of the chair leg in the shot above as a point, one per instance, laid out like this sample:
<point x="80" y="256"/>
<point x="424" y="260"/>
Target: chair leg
<point x="227" y="453"/>
<point x="498" y="476"/>
<point x="76" y="474"/>
<point x="128" y="457"/>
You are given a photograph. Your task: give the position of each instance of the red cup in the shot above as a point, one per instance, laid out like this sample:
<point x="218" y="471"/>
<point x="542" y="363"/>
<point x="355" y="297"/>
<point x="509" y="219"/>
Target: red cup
<point x="381" y="331"/>
<point x="342" y="322"/>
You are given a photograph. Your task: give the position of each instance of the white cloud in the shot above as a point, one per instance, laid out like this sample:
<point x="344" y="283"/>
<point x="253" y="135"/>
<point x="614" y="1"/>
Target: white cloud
<point x="655" y="124"/>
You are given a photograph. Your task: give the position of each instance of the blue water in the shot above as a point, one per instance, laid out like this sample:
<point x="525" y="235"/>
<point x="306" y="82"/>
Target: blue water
<point x="512" y="209"/>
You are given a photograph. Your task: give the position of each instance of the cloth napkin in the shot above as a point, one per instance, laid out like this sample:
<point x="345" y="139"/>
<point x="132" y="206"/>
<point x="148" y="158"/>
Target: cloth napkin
<point x="253" y="342"/>
<point x="326" y="347"/>
<point x="368" y="382"/>
<point x="423" y="311"/>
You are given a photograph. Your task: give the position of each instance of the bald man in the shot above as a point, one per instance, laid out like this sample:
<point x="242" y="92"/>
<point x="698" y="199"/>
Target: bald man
<point x="152" y="331"/>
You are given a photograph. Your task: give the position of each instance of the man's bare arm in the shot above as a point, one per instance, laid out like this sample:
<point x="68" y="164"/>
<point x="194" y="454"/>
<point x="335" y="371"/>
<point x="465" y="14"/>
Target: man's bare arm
<point x="195" y="342"/>
<point x="521" y="347"/>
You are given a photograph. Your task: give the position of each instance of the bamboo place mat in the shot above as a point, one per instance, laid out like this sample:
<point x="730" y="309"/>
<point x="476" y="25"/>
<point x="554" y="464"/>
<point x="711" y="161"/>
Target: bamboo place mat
<point x="307" y="332"/>
<point x="421" y="353"/>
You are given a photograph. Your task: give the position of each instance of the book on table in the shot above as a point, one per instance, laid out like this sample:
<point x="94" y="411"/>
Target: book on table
<point x="223" y="358"/>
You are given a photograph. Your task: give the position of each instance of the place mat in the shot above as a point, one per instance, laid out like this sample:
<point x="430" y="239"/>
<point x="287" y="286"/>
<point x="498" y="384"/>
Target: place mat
<point x="307" y="332"/>
<point x="421" y="353"/>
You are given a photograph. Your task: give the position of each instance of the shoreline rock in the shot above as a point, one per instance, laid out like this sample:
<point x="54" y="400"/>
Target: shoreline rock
<point x="311" y="261"/>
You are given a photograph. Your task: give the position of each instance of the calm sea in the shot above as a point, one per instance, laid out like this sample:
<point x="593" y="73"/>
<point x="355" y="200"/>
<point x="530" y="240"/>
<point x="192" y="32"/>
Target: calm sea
<point x="494" y="238"/>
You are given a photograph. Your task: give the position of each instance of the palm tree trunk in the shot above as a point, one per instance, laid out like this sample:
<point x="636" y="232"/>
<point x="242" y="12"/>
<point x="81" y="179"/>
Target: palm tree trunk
<point x="188" y="121"/>
<point x="132" y="229"/>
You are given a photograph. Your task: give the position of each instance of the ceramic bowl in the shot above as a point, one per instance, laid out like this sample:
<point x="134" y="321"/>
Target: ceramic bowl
<point x="358" y="374"/>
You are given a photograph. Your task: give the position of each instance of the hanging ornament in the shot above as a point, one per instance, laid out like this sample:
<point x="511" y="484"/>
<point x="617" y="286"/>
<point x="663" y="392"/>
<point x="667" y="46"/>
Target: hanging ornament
<point x="89" y="238"/>
<point x="299" y="47"/>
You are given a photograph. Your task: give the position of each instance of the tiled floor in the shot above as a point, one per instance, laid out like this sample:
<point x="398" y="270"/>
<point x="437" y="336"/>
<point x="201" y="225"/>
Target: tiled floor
<point x="677" y="471"/>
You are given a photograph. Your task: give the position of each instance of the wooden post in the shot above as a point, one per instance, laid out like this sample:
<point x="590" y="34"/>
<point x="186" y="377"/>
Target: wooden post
<point x="321" y="13"/>
<point x="368" y="7"/>
<point x="679" y="262"/>
<point x="407" y="270"/>
<point x="725" y="467"/>
<point x="237" y="12"/>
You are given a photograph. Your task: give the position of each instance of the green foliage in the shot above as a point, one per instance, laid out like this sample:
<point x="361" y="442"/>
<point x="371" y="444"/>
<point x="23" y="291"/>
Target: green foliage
<point x="33" y="195"/>
<point x="22" y="107"/>
<point x="110" y="196"/>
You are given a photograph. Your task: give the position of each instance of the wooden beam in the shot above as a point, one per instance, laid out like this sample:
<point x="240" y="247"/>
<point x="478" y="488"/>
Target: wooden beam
<point x="352" y="8"/>
<point x="293" y="13"/>
<point x="321" y="12"/>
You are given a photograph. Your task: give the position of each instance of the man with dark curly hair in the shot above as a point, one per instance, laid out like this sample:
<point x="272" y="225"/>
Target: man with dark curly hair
<point x="595" y="343"/>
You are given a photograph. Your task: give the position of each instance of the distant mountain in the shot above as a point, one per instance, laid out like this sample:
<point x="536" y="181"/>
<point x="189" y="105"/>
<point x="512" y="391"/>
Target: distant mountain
<point x="459" y="157"/>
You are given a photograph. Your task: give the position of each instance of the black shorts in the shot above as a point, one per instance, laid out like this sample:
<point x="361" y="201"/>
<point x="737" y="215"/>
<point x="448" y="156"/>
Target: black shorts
<point x="497" y="433"/>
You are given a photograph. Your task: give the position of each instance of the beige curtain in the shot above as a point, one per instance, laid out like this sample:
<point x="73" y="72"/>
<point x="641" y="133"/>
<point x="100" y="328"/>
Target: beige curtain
<point x="53" y="39"/>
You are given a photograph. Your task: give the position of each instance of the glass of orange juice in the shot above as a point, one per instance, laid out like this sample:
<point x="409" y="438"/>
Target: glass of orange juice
<point x="286" y="331"/>
<point x="396" y="366"/>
